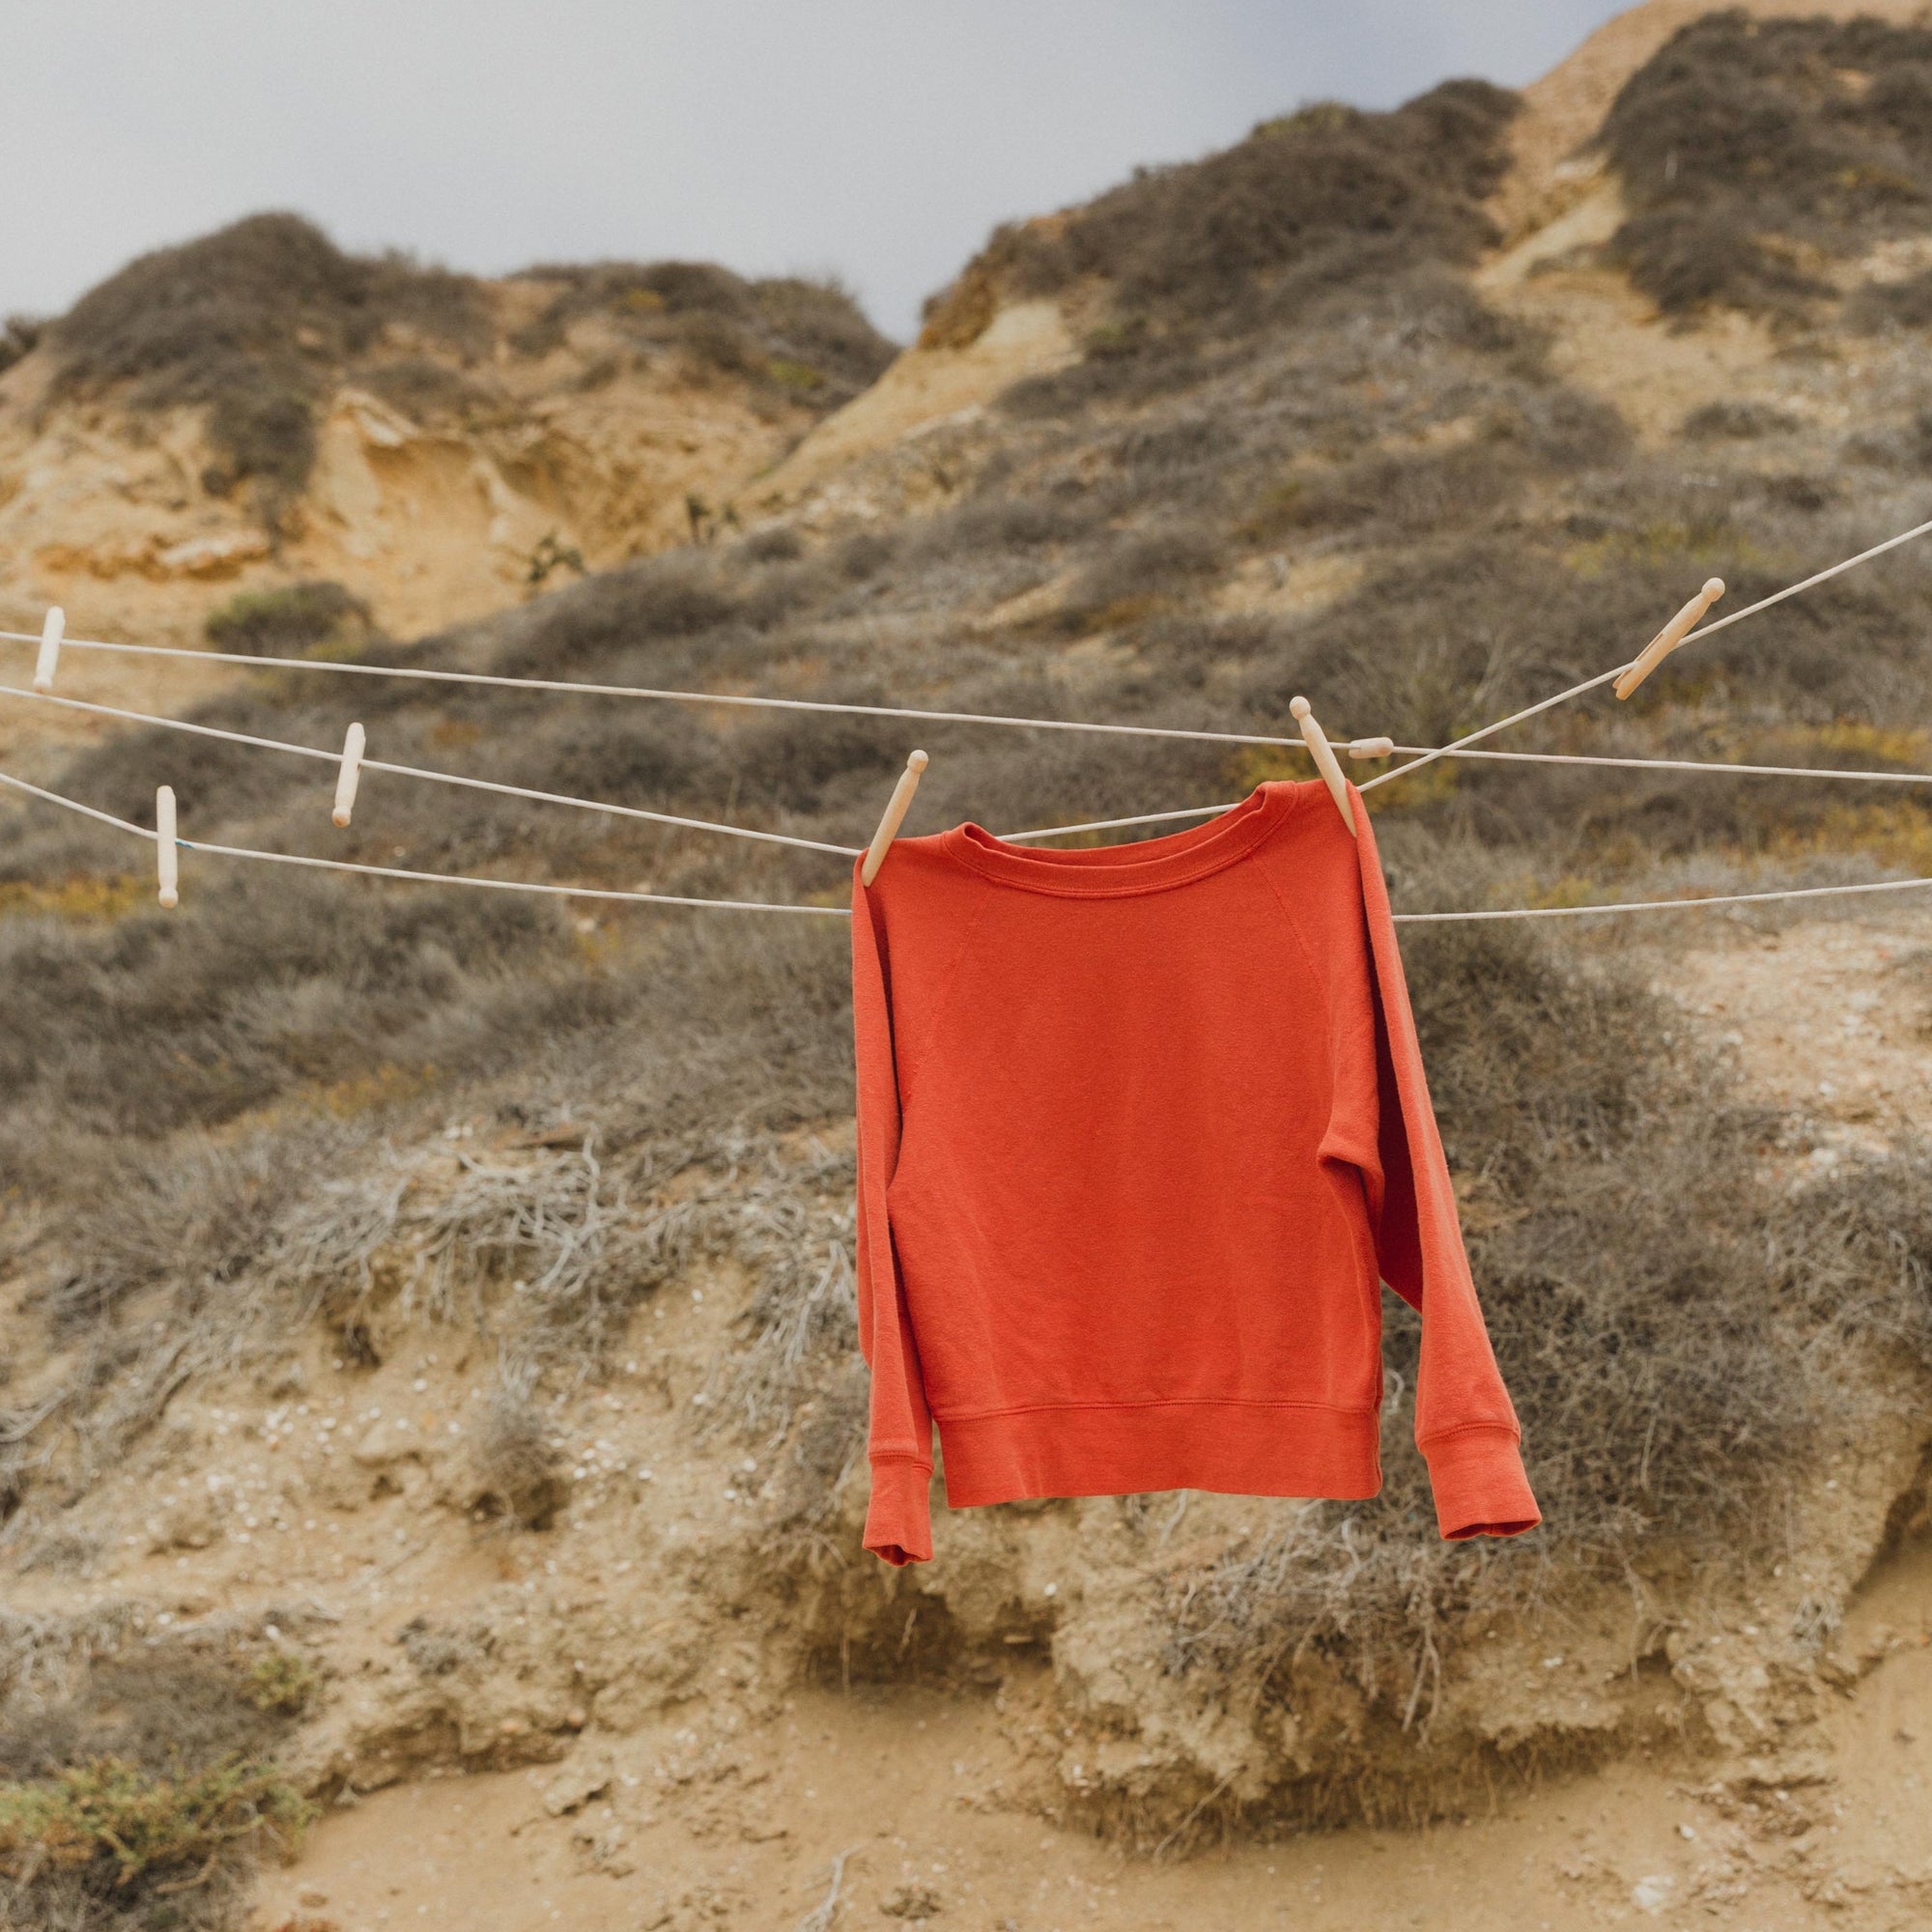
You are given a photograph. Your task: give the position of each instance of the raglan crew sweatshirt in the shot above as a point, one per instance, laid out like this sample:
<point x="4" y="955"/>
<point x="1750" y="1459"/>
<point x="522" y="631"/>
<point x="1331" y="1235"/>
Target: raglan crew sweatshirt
<point x="1140" y="1130"/>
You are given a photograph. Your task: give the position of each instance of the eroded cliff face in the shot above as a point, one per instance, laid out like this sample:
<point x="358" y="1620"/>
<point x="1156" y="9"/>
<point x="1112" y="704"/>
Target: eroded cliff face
<point x="439" y="464"/>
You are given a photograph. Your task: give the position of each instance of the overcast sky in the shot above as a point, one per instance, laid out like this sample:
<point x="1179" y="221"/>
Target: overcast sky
<point x="876" y="141"/>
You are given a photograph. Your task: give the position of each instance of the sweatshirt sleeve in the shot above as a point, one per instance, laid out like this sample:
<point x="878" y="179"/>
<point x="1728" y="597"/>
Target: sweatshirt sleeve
<point x="898" y="1520"/>
<point x="1464" y="1423"/>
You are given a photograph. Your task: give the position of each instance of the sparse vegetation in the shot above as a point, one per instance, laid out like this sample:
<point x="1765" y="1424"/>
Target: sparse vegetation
<point x="1754" y="154"/>
<point x="315" y="619"/>
<point x="248" y="324"/>
<point x="1312" y="201"/>
<point x="95" y="1838"/>
<point x="19" y="336"/>
<point x="138" y="1781"/>
<point x="801" y="339"/>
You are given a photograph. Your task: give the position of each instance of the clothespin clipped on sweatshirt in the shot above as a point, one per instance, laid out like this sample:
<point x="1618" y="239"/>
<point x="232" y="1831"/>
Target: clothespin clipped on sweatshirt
<point x="351" y="775"/>
<point x="167" y="854"/>
<point x="1670" y="637"/>
<point x="49" y="660"/>
<point x="897" y="808"/>
<point x="1324" y="759"/>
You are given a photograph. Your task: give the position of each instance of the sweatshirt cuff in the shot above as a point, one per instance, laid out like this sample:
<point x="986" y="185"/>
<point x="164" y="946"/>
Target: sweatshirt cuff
<point x="1479" y="1484"/>
<point x="898" y="1520"/>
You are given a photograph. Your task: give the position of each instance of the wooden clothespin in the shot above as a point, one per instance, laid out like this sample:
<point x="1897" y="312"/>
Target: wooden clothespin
<point x="1670" y="637"/>
<point x="895" y="811"/>
<point x="351" y="775"/>
<point x="167" y="855"/>
<point x="1324" y="761"/>
<point x="50" y="643"/>
<point x="1370" y="748"/>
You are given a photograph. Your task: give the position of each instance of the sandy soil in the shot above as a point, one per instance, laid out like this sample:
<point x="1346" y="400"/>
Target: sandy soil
<point x="693" y="1825"/>
<point x="736" y="1805"/>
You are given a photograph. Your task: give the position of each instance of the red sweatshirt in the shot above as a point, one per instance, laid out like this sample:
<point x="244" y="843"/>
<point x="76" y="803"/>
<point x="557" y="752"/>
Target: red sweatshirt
<point x="1140" y="1130"/>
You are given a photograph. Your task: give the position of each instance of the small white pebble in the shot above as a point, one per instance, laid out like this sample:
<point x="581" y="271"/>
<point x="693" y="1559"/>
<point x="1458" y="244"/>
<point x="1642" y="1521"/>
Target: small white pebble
<point x="1686" y="1832"/>
<point x="1051" y="1590"/>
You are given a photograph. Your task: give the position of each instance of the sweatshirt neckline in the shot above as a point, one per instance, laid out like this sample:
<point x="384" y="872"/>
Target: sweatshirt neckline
<point x="1147" y="864"/>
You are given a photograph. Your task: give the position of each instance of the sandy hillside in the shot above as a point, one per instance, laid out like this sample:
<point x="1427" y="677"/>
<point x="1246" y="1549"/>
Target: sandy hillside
<point x="568" y="1625"/>
<point x="606" y="1726"/>
<point x="488" y="440"/>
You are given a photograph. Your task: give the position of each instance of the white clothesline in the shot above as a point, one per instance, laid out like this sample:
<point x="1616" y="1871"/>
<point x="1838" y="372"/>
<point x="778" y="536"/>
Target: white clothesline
<point x="326" y="757"/>
<point x="1703" y="631"/>
<point x="416" y="878"/>
<point x="1420" y="755"/>
<point x="423" y="772"/>
<point x="845" y="912"/>
<point x="341" y="667"/>
<point x="572" y="689"/>
<point x="1508" y="757"/>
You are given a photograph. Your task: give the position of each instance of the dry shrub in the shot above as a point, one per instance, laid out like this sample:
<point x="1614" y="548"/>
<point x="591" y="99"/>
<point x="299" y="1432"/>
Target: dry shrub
<point x="261" y="983"/>
<point x="521" y="1471"/>
<point x="249" y="323"/>
<point x="1649" y="1343"/>
<point x="19" y="336"/>
<point x="431" y="391"/>
<point x="1197" y="237"/>
<point x="807" y="340"/>
<point x="104" y="1844"/>
<point x="1906" y="304"/>
<point x="1736" y="422"/>
<point x="1740" y="138"/>
<point x="1157" y="563"/>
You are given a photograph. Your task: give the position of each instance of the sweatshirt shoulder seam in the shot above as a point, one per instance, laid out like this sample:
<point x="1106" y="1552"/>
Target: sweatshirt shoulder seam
<point x="1301" y="944"/>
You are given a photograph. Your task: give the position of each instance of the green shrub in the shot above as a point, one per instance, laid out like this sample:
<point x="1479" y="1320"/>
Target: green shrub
<point x="283" y="1682"/>
<point x="318" y="618"/>
<point x="107" y="1824"/>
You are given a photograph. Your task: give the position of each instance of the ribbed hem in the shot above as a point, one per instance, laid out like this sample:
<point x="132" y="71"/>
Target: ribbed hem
<point x="1479" y="1484"/>
<point x="1102" y="1449"/>
<point x="899" y="1519"/>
